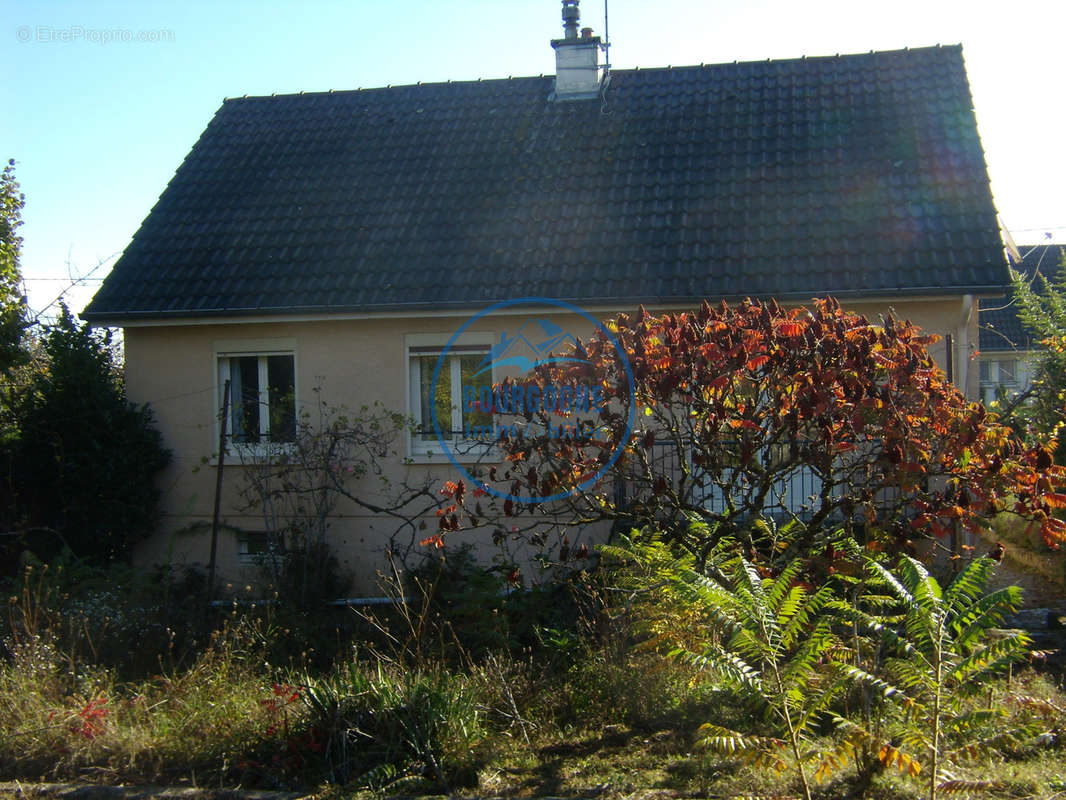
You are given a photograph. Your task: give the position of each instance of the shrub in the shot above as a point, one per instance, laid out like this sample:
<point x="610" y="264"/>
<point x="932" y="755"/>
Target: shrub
<point x="922" y="654"/>
<point x="85" y="458"/>
<point x="735" y="405"/>
<point x="382" y="725"/>
<point x="1041" y="304"/>
<point x="939" y="653"/>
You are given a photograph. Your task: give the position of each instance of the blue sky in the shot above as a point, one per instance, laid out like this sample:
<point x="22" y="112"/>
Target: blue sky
<point x="103" y="100"/>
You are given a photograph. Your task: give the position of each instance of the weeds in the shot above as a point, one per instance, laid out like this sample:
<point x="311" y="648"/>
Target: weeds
<point x="380" y="725"/>
<point x="561" y="691"/>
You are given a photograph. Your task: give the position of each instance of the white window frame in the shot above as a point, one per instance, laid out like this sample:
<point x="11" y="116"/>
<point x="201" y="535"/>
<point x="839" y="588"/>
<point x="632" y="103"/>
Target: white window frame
<point x="1003" y="377"/>
<point x="1011" y="377"/>
<point x="247" y="558"/>
<point x="262" y="349"/>
<point x="423" y="344"/>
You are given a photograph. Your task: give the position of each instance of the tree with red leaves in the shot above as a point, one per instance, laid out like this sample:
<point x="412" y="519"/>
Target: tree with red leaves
<point x="818" y="419"/>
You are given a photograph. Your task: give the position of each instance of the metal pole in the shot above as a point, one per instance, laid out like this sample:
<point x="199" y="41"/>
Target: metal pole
<point x="606" y="40"/>
<point x="218" y="493"/>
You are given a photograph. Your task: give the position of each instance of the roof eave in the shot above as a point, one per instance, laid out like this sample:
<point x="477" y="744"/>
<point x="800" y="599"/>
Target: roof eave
<point x="118" y="319"/>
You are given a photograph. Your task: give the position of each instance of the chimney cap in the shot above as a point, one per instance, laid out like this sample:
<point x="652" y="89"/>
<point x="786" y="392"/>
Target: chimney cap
<point x="571" y="16"/>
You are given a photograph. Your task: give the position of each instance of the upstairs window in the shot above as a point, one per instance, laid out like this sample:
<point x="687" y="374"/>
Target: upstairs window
<point x="1002" y="378"/>
<point x="466" y="428"/>
<point x="262" y="401"/>
<point x="1008" y="372"/>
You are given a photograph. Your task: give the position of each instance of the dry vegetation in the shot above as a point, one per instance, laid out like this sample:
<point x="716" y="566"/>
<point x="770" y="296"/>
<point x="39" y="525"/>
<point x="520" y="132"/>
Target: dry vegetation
<point x="561" y="692"/>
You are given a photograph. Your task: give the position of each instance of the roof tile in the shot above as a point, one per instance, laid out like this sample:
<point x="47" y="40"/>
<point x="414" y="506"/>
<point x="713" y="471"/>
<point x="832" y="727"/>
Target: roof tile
<point x="844" y="175"/>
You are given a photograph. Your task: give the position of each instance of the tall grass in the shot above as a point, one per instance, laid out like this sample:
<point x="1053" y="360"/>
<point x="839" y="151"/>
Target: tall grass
<point x="67" y="719"/>
<point x="575" y="696"/>
<point x="225" y="717"/>
<point x="381" y="726"/>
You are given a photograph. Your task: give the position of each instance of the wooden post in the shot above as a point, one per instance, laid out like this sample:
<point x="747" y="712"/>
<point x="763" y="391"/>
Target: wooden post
<point x="218" y="494"/>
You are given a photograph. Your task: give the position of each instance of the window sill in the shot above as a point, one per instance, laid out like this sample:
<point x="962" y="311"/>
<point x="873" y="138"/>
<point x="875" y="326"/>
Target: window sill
<point x="259" y="454"/>
<point x="259" y="559"/>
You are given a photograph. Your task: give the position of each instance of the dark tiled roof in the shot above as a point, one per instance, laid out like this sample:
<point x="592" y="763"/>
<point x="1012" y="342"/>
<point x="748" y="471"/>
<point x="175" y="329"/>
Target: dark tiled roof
<point x="845" y="175"/>
<point x="1000" y="327"/>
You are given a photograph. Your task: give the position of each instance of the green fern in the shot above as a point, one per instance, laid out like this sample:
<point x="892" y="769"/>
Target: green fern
<point x="767" y="641"/>
<point x="914" y="654"/>
<point x="941" y="653"/>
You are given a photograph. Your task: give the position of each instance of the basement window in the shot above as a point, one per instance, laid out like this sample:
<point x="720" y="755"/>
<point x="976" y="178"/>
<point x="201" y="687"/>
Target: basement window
<point x="255" y="547"/>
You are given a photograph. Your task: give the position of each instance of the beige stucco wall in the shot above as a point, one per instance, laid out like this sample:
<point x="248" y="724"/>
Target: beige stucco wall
<point x="355" y="362"/>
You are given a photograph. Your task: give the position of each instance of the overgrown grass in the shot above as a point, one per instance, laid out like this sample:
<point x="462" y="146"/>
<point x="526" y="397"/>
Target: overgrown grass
<point x="204" y="720"/>
<point x="619" y="760"/>
<point x="558" y="694"/>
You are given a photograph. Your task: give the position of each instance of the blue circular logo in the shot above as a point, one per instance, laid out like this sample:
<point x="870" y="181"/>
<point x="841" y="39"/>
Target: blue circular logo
<point x="515" y="351"/>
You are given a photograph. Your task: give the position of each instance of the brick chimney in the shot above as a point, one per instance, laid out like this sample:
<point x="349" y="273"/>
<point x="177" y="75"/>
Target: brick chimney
<point x="577" y="59"/>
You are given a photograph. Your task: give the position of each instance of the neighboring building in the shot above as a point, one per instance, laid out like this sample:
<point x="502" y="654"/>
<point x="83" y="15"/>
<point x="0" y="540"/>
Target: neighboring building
<point x="1005" y="364"/>
<point x="341" y="237"/>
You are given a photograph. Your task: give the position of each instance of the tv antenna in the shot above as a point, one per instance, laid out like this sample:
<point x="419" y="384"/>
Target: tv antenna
<point x="606" y="41"/>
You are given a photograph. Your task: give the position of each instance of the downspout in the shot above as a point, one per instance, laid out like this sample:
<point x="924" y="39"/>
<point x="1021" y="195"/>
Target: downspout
<point x="962" y="367"/>
<point x="961" y="356"/>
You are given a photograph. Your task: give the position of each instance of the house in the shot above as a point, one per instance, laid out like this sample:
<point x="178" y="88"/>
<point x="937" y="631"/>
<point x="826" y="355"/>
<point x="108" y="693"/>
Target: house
<point x="1005" y="365"/>
<point x="342" y="238"/>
